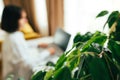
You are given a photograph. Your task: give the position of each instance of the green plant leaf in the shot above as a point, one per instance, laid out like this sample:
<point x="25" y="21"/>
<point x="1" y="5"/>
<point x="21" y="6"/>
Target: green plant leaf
<point x="86" y="36"/>
<point x="49" y="63"/>
<point x="48" y="75"/>
<point x="80" y="39"/>
<point x="97" y="67"/>
<point x="73" y="59"/>
<point x="115" y="49"/>
<point x="81" y="64"/>
<point x="98" y="37"/>
<point x="115" y="35"/>
<point x="112" y="18"/>
<point x="82" y="71"/>
<point x="38" y="76"/>
<point x="112" y="67"/>
<point x="60" y="61"/>
<point x="95" y="47"/>
<point x="77" y="38"/>
<point x="102" y="13"/>
<point x="63" y="73"/>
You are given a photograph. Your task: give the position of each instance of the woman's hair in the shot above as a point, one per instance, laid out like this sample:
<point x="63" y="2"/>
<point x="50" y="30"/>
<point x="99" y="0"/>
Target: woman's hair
<point x="11" y="15"/>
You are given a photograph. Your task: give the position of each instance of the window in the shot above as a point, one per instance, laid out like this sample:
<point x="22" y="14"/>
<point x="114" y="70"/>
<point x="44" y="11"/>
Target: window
<point x="80" y="14"/>
<point x="41" y="13"/>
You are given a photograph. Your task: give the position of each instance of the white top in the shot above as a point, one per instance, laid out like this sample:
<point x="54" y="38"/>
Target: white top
<point x="15" y="50"/>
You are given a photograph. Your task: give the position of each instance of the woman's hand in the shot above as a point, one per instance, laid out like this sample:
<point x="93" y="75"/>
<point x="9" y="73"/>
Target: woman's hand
<point x="43" y="45"/>
<point x="51" y="50"/>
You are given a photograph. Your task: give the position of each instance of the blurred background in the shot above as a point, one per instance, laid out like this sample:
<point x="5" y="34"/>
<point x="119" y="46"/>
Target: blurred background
<point x="45" y="16"/>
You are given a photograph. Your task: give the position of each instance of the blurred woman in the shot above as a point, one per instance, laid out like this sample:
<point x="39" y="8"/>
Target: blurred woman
<point x="18" y="58"/>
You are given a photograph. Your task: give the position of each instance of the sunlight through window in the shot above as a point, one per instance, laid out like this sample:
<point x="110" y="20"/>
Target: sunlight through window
<point x="41" y="14"/>
<point x="80" y="14"/>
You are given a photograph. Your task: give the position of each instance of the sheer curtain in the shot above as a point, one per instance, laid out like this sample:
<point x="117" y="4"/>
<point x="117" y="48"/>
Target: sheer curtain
<point x="49" y="15"/>
<point x="80" y="14"/>
<point x="41" y="13"/>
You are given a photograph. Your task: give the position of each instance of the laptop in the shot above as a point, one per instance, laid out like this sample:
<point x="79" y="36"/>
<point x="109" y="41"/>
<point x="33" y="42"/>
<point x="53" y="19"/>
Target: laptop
<point x="60" y="39"/>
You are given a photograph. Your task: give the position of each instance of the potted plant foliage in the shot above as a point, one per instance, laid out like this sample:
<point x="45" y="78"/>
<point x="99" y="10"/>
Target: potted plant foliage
<point x="94" y="56"/>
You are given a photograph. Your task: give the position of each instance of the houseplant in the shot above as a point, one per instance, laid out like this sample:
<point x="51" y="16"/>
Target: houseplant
<point x="94" y="56"/>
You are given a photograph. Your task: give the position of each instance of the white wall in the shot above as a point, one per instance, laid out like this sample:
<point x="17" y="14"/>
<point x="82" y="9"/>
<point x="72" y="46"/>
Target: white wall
<point x="80" y="14"/>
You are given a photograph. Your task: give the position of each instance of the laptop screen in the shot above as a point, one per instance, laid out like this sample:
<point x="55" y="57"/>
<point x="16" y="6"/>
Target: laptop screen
<point x="61" y="38"/>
